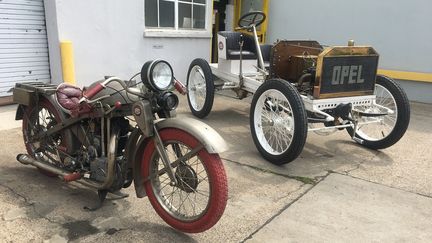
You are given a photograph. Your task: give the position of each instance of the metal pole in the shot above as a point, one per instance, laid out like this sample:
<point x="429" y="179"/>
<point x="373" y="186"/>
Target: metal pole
<point x="257" y="44"/>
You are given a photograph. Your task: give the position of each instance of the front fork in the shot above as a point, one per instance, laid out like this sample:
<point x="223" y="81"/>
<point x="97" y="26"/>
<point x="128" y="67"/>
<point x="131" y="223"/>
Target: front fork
<point x="164" y="156"/>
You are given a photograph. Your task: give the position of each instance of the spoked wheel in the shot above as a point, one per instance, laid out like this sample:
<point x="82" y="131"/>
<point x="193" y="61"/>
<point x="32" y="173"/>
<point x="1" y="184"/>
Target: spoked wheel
<point x="278" y="121"/>
<point x="200" y="88"/>
<point x="384" y="131"/>
<point x="198" y="200"/>
<point x="38" y="119"/>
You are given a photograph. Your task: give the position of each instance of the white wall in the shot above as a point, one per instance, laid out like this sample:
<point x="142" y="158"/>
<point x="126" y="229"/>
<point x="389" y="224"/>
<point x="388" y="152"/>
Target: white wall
<point x="108" y="39"/>
<point x="399" y="30"/>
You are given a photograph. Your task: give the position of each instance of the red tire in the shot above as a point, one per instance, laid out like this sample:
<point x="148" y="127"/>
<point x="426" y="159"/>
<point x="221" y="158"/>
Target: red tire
<point x="161" y="202"/>
<point x="29" y="119"/>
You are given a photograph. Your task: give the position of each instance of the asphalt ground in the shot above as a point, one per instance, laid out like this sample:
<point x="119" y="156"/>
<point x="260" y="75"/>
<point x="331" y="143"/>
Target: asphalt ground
<point x="336" y="190"/>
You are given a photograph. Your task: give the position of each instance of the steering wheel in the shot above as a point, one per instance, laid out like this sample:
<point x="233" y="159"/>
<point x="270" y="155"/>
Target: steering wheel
<point x="250" y="19"/>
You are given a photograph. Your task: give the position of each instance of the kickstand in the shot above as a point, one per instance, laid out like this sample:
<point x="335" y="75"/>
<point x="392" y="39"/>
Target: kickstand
<point x="102" y="196"/>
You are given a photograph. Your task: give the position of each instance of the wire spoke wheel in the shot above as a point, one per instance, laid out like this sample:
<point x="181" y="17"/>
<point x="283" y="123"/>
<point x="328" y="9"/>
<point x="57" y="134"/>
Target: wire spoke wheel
<point x="199" y="198"/>
<point x="383" y="131"/>
<point x="200" y="88"/>
<point x="189" y="199"/>
<point x="38" y="120"/>
<point x="278" y="121"/>
<point x="377" y="128"/>
<point x="274" y="124"/>
<point x="197" y="88"/>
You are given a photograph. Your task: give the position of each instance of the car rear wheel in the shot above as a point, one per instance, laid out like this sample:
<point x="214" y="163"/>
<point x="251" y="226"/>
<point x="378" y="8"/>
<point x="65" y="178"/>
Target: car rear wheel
<point x="278" y="121"/>
<point x="384" y="131"/>
<point x="200" y="88"/>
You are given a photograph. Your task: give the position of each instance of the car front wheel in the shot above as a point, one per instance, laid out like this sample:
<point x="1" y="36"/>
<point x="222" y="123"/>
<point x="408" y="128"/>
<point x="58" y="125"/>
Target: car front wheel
<point x="278" y="121"/>
<point x="384" y="131"/>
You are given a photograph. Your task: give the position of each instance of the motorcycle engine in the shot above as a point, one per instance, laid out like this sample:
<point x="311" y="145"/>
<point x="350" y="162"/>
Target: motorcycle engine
<point x="99" y="167"/>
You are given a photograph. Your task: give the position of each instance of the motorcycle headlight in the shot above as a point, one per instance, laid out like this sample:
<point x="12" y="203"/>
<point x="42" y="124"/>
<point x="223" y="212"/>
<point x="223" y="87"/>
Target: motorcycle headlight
<point x="157" y="75"/>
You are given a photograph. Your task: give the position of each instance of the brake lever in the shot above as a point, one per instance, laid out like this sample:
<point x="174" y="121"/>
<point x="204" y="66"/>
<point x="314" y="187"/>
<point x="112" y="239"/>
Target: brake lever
<point x="116" y="105"/>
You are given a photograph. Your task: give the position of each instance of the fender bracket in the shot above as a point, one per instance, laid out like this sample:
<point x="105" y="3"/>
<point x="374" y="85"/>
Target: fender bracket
<point x="144" y="117"/>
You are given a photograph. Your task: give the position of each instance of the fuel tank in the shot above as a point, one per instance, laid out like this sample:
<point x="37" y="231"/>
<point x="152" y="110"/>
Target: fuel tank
<point x="116" y="93"/>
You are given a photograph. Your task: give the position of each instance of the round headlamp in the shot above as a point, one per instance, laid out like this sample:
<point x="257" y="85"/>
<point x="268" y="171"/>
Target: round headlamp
<point x="157" y="75"/>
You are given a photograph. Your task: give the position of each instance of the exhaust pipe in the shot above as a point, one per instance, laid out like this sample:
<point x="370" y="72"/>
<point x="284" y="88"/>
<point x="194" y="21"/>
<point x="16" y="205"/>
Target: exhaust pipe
<point x="27" y="160"/>
<point x="66" y="175"/>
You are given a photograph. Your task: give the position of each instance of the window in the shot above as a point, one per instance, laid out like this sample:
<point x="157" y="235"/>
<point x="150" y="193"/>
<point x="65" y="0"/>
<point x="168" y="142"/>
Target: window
<point x="176" y="15"/>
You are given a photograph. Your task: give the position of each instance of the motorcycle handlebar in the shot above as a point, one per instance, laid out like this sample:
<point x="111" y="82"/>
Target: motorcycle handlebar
<point x="90" y="93"/>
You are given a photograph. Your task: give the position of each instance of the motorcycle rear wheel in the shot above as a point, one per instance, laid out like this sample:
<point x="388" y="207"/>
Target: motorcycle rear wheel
<point x="199" y="199"/>
<point x="41" y="118"/>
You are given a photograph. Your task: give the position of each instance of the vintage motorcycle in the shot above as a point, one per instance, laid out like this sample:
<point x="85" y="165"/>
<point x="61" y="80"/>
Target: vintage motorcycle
<point x="115" y="133"/>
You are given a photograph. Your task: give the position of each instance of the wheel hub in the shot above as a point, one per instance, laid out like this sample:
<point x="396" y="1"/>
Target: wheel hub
<point x="187" y="179"/>
<point x="278" y="121"/>
<point x="281" y="122"/>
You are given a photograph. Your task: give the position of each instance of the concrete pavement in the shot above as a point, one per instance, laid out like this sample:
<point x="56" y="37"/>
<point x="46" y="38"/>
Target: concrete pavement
<point x="7" y="117"/>
<point x="343" y="209"/>
<point x="266" y="202"/>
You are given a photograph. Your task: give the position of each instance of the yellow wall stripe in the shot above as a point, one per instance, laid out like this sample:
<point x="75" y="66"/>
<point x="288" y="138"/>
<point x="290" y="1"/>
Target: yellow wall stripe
<point x="413" y="76"/>
<point x="67" y="62"/>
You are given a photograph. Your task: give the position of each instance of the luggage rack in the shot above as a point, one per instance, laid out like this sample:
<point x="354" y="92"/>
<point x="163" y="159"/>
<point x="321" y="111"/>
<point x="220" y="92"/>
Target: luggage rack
<point x="38" y="87"/>
<point x="28" y="93"/>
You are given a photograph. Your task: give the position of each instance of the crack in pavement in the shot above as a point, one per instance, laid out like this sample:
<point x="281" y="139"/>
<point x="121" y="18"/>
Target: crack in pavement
<point x="284" y="208"/>
<point x="377" y="183"/>
<point x="302" y="179"/>
<point x="292" y="192"/>
<point x="27" y="203"/>
<point x="347" y="172"/>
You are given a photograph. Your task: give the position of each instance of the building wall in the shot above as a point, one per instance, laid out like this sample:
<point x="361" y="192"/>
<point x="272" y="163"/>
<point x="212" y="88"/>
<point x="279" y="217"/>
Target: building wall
<point x="108" y="39"/>
<point x="398" y="30"/>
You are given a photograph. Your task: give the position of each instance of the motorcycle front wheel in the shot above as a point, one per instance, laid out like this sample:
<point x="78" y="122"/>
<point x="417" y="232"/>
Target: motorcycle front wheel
<point x="199" y="198"/>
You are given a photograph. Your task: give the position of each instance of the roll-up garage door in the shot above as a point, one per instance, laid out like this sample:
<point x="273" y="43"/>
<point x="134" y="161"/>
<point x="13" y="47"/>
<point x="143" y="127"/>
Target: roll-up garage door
<point x="23" y="43"/>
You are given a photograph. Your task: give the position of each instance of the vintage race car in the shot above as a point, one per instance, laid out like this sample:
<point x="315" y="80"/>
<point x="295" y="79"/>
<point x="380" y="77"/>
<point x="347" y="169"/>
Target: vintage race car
<point x="300" y="86"/>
